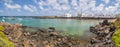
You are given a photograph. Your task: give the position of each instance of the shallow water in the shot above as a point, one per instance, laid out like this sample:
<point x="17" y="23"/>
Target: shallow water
<point x="73" y="27"/>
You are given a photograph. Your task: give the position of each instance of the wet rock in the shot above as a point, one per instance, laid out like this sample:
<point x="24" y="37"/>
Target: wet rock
<point x="23" y="36"/>
<point x="105" y="22"/>
<point x="51" y="28"/>
<point x="112" y="28"/>
<point x="104" y="33"/>
<point x="92" y="29"/>
<point x="54" y="34"/>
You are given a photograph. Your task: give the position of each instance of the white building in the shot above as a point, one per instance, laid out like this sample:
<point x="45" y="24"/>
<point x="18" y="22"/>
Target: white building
<point x="67" y="15"/>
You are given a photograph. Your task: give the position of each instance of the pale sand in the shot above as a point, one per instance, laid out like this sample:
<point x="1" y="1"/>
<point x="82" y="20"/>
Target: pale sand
<point x="112" y="20"/>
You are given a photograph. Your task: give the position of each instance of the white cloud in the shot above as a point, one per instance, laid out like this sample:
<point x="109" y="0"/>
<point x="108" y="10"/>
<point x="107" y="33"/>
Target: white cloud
<point x="30" y="8"/>
<point x="52" y="1"/>
<point x="33" y="7"/>
<point x="87" y="6"/>
<point x="65" y="7"/>
<point x="84" y="1"/>
<point x="63" y="1"/>
<point x="41" y="8"/>
<point x="106" y="1"/>
<point x="92" y="6"/>
<point x="41" y="3"/>
<point x="74" y="2"/>
<point x="15" y="6"/>
<point x="118" y="1"/>
<point x="100" y="7"/>
<point x="111" y="9"/>
<point x="57" y="7"/>
<point x="54" y="5"/>
<point x="61" y="7"/>
<point x="83" y="5"/>
<point x="92" y="3"/>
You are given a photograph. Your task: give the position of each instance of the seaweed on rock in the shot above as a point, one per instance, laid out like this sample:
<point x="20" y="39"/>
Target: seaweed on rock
<point x="116" y="36"/>
<point x="4" y="42"/>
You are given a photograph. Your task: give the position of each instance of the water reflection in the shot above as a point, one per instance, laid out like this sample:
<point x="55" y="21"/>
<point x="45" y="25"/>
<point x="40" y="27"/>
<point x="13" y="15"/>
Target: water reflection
<point x="70" y="26"/>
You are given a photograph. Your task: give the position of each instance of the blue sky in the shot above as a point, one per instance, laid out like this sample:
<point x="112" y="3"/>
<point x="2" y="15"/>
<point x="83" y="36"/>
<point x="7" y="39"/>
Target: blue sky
<point x="57" y="7"/>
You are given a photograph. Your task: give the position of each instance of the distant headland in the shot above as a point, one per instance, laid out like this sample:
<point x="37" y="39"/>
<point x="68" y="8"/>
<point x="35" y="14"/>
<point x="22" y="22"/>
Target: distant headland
<point x="69" y="16"/>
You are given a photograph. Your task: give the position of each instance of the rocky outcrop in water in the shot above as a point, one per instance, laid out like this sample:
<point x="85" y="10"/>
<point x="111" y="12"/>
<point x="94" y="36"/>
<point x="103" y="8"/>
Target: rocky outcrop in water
<point x="104" y="32"/>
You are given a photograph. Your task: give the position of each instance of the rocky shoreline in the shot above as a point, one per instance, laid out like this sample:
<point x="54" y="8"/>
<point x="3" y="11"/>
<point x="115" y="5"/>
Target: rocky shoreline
<point x="104" y="32"/>
<point x="23" y="36"/>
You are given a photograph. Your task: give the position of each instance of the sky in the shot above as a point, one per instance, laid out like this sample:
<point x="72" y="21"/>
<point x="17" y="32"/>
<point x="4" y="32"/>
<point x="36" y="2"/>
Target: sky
<point x="57" y="7"/>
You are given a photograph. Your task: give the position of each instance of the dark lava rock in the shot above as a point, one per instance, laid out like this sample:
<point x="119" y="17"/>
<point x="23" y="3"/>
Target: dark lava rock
<point x="35" y="37"/>
<point x="105" y="22"/>
<point x="103" y="33"/>
<point x="52" y="28"/>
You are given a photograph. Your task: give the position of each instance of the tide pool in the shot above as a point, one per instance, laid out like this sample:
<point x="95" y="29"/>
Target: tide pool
<point x="68" y="26"/>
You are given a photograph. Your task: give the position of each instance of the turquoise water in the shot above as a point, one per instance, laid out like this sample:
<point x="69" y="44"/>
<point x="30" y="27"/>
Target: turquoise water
<point x="69" y="26"/>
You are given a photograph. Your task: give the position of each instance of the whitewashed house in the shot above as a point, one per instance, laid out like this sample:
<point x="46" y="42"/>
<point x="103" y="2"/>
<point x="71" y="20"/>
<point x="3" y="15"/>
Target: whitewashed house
<point x="68" y="15"/>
